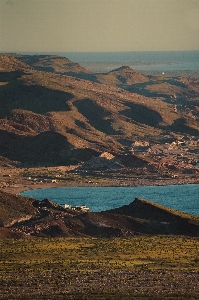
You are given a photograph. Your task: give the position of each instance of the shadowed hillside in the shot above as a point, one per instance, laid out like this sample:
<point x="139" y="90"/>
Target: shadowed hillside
<point x="14" y="208"/>
<point x="52" y="63"/>
<point x="35" y="98"/>
<point x="47" y="219"/>
<point x="106" y="112"/>
<point x="142" y="114"/>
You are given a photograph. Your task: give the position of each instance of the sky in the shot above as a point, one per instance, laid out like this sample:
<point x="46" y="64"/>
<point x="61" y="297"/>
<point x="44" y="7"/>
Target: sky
<point x="98" y="25"/>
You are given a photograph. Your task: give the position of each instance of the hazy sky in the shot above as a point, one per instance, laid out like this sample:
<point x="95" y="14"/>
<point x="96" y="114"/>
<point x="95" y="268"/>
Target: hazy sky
<point x="98" y="25"/>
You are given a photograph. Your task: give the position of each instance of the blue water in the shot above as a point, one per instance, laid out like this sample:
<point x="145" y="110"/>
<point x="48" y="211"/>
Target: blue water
<point x="141" y="60"/>
<point x="181" y="197"/>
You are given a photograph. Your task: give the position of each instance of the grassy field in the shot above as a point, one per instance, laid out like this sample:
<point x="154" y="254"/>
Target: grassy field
<point x="142" y="267"/>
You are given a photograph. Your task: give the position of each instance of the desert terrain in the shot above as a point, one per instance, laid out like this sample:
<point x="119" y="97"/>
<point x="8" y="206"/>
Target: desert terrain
<point x="64" y="125"/>
<point x="61" y="124"/>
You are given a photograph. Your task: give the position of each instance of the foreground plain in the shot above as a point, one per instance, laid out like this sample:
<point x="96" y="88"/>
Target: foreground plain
<point x="142" y="267"/>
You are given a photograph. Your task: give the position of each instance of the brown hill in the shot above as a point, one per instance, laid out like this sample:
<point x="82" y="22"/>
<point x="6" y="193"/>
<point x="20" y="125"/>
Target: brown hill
<point x="158" y="219"/>
<point x="114" y="162"/>
<point x="39" y="109"/>
<point x="127" y="76"/>
<point x="15" y="208"/>
<point x="22" y="217"/>
<point x="9" y="64"/>
<point x="123" y="77"/>
<point x="52" y="63"/>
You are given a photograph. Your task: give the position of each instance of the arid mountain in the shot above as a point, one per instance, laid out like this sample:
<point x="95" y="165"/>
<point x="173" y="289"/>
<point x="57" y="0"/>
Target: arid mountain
<point x="52" y="63"/>
<point x="123" y="75"/>
<point x="9" y="63"/>
<point x="22" y="217"/>
<point x="49" y="117"/>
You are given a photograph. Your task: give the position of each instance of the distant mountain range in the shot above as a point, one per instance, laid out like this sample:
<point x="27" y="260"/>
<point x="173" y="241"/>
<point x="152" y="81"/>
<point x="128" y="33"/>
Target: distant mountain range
<point x="54" y="111"/>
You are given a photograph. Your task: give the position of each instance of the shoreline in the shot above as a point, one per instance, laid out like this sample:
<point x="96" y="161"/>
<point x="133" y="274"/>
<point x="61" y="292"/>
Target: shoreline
<point x="18" y="188"/>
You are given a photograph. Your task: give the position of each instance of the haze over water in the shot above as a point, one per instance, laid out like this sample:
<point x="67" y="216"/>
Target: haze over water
<point x="173" y="63"/>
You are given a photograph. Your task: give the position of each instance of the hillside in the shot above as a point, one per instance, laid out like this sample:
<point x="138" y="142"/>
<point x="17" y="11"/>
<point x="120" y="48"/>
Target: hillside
<point x="28" y="217"/>
<point x="56" y="118"/>
<point x="14" y="208"/>
<point x="8" y="63"/>
<point x="52" y="63"/>
<point x="123" y="75"/>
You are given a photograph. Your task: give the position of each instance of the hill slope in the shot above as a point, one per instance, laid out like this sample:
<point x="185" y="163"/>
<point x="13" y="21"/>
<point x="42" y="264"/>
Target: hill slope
<point x="85" y="114"/>
<point x="45" y="218"/>
<point x="14" y="208"/>
<point x="52" y="63"/>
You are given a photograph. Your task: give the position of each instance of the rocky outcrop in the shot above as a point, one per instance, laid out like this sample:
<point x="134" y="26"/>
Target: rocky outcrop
<point x="9" y="63"/>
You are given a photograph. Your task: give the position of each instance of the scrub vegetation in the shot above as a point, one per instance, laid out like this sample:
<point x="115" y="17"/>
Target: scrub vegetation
<point x="142" y="267"/>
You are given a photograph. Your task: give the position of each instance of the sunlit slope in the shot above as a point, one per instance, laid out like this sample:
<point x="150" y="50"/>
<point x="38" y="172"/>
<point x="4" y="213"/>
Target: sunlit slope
<point x="85" y="114"/>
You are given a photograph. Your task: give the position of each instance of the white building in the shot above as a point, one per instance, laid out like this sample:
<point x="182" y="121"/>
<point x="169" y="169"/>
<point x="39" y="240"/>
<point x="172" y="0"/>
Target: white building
<point x="65" y="206"/>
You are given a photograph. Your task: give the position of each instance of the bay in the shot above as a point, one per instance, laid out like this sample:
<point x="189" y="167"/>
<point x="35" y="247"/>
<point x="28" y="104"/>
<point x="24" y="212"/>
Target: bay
<point x="139" y="60"/>
<point x="180" y="197"/>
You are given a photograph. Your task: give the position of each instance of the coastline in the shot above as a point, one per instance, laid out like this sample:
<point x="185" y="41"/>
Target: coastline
<point x="18" y="188"/>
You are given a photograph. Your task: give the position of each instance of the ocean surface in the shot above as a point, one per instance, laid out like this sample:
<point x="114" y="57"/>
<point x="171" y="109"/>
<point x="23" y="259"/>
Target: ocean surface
<point x="171" y="62"/>
<point x="162" y="61"/>
<point x="180" y="197"/>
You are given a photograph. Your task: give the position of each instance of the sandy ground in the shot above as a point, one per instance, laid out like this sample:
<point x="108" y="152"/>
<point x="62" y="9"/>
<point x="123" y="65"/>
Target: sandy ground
<point x="12" y="182"/>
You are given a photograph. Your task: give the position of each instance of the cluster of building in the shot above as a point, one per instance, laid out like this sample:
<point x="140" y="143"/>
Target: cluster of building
<point x="82" y="208"/>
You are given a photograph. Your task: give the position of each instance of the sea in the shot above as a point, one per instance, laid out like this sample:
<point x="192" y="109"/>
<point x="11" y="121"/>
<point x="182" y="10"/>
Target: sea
<point x="177" y="63"/>
<point x="184" y="198"/>
<point x="172" y="63"/>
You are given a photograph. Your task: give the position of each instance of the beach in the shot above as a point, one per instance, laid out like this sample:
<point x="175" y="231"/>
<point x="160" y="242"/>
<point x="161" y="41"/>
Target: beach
<point x="13" y="180"/>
